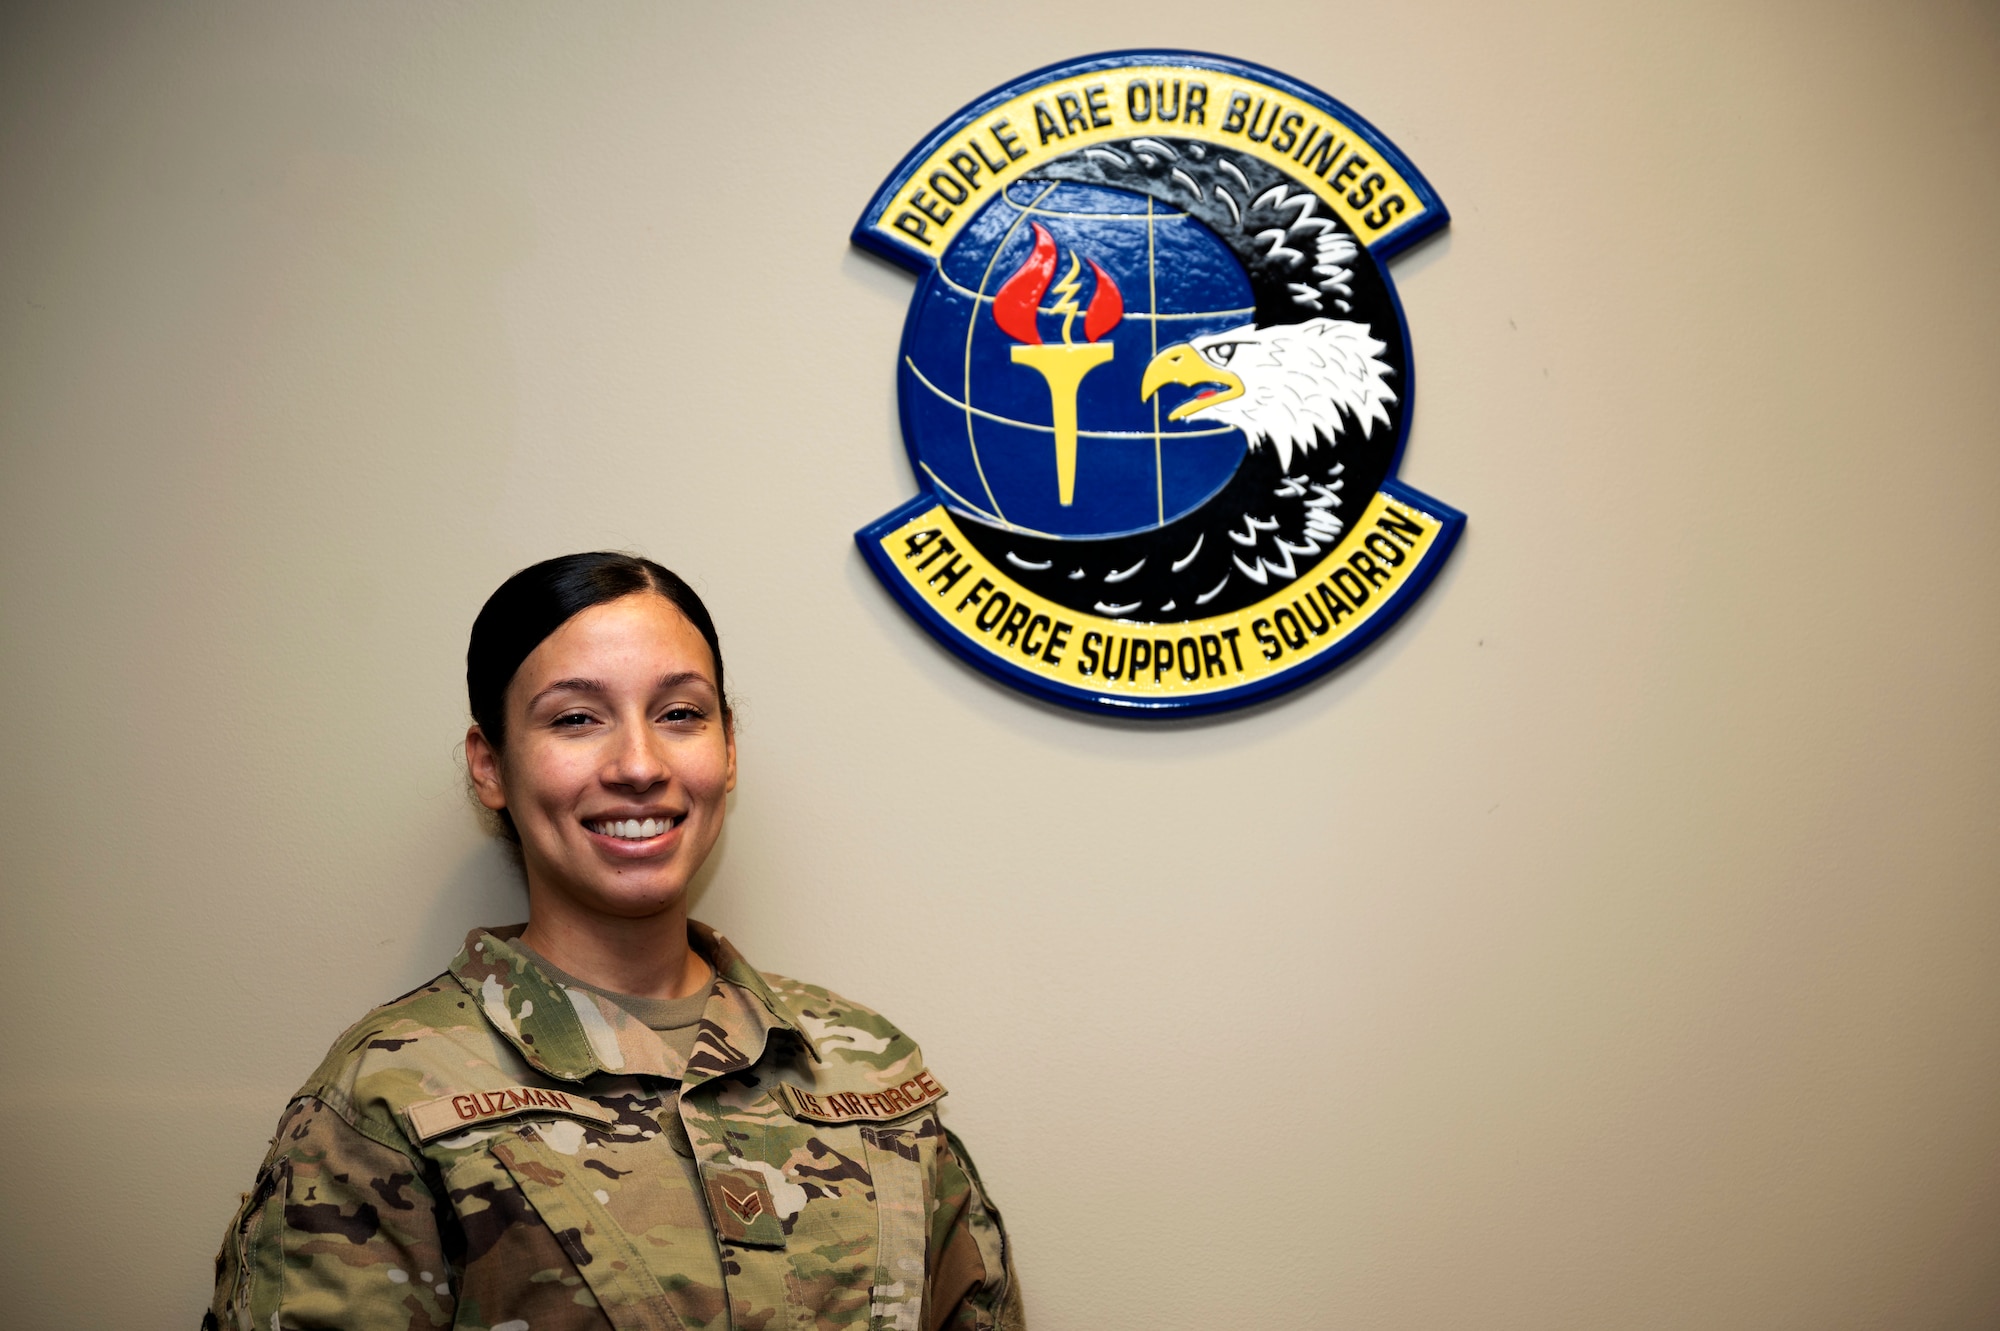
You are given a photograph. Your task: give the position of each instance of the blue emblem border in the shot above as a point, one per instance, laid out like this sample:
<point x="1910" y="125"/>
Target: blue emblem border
<point x="1451" y="521"/>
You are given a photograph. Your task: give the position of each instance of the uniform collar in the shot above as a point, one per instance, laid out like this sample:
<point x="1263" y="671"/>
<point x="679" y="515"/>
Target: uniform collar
<point x="572" y="1033"/>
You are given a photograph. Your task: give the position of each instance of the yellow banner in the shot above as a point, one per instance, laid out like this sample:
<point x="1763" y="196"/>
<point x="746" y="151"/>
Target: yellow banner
<point x="1335" y="597"/>
<point x="1069" y="114"/>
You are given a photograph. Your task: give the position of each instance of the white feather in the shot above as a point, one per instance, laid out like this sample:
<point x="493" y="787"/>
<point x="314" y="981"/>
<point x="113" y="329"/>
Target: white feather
<point x="1298" y="380"/>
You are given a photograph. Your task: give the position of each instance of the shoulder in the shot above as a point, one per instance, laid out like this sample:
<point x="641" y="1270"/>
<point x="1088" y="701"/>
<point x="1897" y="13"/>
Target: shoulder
<point x="395" y="1055"/>
<point x="867" y="1066"/>
<point x="839" y="1026"/>
<point x="843" y="1034"/>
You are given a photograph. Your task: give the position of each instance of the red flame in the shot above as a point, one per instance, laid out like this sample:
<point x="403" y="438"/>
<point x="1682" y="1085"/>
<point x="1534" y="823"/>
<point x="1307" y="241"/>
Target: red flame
<point x="1019" y="299"/>
<point x="1106" y="306"/>
<point x="1021" y="295"/>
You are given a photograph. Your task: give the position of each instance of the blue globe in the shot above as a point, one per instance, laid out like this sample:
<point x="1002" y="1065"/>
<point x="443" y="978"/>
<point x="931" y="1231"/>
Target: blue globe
<point x="982" y="425"/>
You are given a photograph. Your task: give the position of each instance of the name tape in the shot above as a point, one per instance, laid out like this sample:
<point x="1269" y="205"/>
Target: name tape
<point x="855" y="1106"/>
<point x="454" y="1113"/>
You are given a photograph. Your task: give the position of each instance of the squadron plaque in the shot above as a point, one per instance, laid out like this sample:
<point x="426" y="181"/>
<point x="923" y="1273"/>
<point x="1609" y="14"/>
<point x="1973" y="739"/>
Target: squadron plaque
<point x="1155" y="383"/>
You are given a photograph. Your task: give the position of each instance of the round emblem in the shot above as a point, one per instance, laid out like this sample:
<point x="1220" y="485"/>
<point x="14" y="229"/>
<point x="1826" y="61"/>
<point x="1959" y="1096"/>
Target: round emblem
<point x="982" y="428"/>
<point x="1154" y="384"/>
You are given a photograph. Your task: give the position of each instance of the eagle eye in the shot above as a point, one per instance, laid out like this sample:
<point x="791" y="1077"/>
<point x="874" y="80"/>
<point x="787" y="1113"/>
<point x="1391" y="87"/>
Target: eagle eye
<point x="1220" y="353"/>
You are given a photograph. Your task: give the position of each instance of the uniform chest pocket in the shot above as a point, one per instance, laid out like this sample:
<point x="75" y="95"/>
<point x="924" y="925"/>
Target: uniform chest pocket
<point x="557" y="1187"/>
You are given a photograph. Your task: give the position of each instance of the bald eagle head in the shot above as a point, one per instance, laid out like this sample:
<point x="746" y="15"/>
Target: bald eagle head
<point x="1285" y="383"/>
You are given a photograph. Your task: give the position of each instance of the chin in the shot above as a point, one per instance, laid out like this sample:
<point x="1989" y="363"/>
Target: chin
<point x="630" y="904"/>
<point x="632" y="898"/>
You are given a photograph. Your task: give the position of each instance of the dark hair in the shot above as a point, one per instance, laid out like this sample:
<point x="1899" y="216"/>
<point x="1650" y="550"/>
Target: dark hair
<point x="540" y="599"/>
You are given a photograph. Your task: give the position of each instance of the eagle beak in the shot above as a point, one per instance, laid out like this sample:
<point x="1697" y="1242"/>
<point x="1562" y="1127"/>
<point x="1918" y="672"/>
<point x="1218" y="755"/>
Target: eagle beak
<point x="1184" y="365"/>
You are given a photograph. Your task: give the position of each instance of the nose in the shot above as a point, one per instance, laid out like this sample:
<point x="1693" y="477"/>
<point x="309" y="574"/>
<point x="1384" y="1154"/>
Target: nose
<point x="637" y="761"/>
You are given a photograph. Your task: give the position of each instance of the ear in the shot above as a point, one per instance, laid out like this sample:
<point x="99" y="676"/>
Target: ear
<point x="729" y="738"/>
<point x="482" y="762"/>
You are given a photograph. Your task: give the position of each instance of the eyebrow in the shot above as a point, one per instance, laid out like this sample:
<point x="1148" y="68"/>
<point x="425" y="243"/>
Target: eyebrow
<point x="577" y="684"/>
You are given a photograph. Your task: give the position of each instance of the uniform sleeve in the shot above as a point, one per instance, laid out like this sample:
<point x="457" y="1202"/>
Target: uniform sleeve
<point x="972" y="1282"/>
<point x="340" y="1232"/>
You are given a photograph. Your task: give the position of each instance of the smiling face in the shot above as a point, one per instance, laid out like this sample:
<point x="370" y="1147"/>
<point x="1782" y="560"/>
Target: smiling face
<point x="618" y="762"/>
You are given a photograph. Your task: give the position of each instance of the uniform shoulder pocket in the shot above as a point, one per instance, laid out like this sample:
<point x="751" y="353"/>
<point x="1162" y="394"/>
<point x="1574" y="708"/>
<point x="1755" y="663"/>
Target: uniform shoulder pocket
<point x="900" y="1158"/>
<point x="250" y="1264"/>
<point x="249" y="1268"/>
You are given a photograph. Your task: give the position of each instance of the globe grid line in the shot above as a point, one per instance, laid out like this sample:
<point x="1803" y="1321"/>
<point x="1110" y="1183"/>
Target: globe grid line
<point x="1153" y="327"/>
<point x="1033" y="205"/>
<point x="1078" y="217"/>
<point x="998" y="419"/>
<point x="977" y="514"/>
<point x="966" y="291"/>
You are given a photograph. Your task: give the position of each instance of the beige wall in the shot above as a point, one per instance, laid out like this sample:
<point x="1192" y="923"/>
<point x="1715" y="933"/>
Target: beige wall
<point x="1612" y="946"/>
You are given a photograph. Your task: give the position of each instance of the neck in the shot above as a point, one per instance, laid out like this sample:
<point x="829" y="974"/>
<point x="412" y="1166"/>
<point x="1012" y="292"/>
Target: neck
<point x="648" y="958"/>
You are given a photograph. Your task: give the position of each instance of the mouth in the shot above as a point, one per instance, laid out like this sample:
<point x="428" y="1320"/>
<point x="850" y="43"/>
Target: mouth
<point x="1203" y="400"/>
<point x="1184" y="366"/>
<point x="634" y="830"/>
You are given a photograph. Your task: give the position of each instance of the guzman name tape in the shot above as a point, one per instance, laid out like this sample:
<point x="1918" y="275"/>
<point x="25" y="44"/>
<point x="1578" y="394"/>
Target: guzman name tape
<point x="454" y="1113"/>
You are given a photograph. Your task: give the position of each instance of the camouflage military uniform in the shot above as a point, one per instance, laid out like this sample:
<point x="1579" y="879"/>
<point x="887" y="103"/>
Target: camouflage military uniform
<point x="497" y="1151"/>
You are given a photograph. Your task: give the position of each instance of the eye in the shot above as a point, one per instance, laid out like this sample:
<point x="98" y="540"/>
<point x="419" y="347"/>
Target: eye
<point x="571" y="720"/>
<point x="1220" y="353"/>
<point x="682" y="713"/>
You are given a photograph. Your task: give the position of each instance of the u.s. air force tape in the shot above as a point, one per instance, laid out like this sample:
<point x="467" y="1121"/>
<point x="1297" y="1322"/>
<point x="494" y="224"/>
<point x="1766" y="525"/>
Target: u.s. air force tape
<point x="857" y="1106"/>
<point x="454" y="1113"/>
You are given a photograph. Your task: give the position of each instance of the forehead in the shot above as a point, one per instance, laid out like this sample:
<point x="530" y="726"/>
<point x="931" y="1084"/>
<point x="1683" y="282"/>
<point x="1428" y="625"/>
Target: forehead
<point x="634" y="639"/>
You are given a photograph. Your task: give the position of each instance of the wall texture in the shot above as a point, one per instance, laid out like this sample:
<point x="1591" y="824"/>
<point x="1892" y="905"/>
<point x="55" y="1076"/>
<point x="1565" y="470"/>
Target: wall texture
<point x="1613" y="945"/>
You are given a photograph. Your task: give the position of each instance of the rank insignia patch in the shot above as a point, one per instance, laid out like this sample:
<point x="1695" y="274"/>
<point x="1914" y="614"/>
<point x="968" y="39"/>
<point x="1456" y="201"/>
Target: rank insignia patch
<point x="1155" y="383"/>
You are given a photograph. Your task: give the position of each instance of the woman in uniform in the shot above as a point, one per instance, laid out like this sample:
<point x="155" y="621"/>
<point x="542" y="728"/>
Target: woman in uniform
<point x="607" y="1118"/>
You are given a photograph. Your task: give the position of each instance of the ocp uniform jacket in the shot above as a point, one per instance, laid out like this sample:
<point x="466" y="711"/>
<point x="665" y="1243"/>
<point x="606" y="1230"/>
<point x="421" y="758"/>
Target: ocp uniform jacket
<point x="498" y="1151"/>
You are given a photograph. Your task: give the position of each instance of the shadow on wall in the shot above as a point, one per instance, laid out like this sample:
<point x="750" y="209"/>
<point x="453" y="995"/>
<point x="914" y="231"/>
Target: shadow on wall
<point x="486" y="888"/>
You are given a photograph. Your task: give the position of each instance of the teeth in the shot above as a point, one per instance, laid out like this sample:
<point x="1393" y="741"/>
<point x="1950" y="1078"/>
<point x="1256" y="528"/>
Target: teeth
<point x="632" y="829"/>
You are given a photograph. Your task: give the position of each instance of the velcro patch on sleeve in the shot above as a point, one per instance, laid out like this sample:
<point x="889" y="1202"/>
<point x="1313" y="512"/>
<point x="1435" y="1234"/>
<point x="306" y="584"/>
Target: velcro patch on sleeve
<point x="454" y="1113"/>
<point x="858" y="1106"/>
